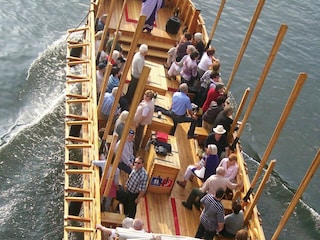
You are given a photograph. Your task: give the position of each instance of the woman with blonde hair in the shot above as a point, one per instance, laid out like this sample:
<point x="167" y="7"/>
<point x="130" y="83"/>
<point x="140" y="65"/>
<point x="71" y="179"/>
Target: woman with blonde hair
<point x="119" y="124"/>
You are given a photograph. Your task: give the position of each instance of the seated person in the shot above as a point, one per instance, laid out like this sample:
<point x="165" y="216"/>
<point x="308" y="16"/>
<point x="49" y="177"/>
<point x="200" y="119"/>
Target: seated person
<point x="209" y="163"/>
<point x="181" y="110"/>
<point x="127" y="157"/>
<point x="230" y="166"/>
<point x="233" y="222"/>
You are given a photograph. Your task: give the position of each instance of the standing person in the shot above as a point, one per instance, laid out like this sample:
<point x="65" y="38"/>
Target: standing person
<point x="185" y="40"/>
<point x="198" y="43"/>
<point x="150" y="9"/>
<point x="135" y="186"/>
<point x="189" y="69"/>
<point x="206" y="61"/>
<point x="143" y="116"/>
<point x="127" y="156"/>
<point x="218" y="138"/>
<point x="233" y="222"/>
<point x="136" y="69"/>
<point x="212" y="216"/>
<point x="181" y="105"/>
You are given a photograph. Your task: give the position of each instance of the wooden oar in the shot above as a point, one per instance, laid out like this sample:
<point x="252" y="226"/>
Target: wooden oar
<point x="100" y="7"/>
<point x="116" y="37"/>
<point x="303" y="185"/>
<point x="237" y="116"/>
<point x="253" y="202"/>
<point x="126" y="68"/>
<point x="106" y="25"/>
<point x="272" y="55"/>
<point x="215" y="24"/>
<point x="283" y="118"/>
<point x="245" y="42"/>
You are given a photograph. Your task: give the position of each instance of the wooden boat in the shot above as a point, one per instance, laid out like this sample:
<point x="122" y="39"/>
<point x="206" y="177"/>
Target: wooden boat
<point x="161" y="208"/>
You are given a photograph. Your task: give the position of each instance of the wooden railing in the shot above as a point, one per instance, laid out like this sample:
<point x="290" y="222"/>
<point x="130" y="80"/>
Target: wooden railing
<point x="82" y="196"/>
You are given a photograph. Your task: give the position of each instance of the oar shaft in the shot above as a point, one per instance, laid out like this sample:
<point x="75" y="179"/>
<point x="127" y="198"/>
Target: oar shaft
<point x="283" y="118"/>
<point x="303" y="185"/>
<point x="272" y="55"/>
<point x="215" y="24"/>
<point x="245" y="42"/>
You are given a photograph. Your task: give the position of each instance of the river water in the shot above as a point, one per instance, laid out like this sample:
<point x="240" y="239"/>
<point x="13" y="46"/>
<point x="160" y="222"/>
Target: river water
<point x="32" y="53"/>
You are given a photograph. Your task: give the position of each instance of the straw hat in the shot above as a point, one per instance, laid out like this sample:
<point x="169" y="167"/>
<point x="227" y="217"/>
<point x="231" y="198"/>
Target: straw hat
<point x="219" y="129"/>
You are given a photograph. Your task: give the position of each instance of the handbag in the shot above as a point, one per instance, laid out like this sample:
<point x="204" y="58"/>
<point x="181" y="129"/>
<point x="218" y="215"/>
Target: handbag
<point x="200" y="172"/>
<point x="160" y="150"/>
<point x="166" y="145"/>
<point x="161" y="137"/>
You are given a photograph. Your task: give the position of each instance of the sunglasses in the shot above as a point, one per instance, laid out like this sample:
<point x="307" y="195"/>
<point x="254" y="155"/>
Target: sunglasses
<point x="137" y="162"/>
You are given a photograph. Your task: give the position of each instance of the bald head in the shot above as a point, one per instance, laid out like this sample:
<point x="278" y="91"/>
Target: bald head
<point x="137" y="224"/>
<point x="183" y="87"/>
<point x="220" y="171"/>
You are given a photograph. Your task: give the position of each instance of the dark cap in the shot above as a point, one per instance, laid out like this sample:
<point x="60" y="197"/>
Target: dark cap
<point x="102" y="65"/>
<point x="131" y="132"/>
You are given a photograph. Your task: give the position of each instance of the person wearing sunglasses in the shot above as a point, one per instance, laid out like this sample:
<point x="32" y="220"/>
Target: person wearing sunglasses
<point x="135" y="187"/>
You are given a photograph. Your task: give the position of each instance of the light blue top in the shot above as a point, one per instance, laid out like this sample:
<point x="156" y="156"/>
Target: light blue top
<point x="107" y="103"/>
<point x="180" y="103"/>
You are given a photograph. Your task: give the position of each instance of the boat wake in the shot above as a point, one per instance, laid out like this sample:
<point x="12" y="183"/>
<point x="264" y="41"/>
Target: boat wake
<point x="43" y="91"/>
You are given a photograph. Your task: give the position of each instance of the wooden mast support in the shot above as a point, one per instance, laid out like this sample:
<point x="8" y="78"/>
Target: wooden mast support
<point x="215" y="24"/>
<point x="106" y="25"/>
<point x="303" y="185"/>
<point x="252" y="204"/>
<point x="283" y="118"/>
<point x="272" y="55"/>
<point x="245" y="42"/>
<point x="116" y="37"/>
<point x="136" y="100"/>
<point x="133" y="45"/>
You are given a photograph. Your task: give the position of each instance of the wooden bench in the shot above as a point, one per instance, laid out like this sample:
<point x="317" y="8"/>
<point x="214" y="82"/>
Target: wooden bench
<point x="112" y="218"/>
<point x="202" y="134"/>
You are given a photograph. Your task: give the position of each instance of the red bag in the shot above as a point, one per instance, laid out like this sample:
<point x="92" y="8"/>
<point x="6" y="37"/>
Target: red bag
<point x="161" y="137"/>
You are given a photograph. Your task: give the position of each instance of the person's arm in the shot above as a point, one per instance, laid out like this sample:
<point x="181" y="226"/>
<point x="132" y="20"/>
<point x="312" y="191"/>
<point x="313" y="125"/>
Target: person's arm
<point x="220" y="227"/>
<point x="104" y="229"/>
<point x="141" y="194"/>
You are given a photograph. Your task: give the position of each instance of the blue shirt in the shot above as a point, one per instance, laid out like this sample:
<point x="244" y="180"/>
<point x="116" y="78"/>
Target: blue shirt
<point x="107" y="103"/>
<point x="112" y="82"/>
<point x="180" y="103"/>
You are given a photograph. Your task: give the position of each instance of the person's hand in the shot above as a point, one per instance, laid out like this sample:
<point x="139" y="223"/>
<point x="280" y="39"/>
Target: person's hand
<point x="137" y="200"/>
<point x="98" y="226"/>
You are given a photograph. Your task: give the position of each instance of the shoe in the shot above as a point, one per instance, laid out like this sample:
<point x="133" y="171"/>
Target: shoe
<point x="166" y="66"/>
<point x="186" y="205"/>
<point x="181" y="183"/>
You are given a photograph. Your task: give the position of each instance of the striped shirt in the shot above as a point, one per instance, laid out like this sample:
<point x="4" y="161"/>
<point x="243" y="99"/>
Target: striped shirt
<point x="137" y="181"/>
<point x="212" y="214"/>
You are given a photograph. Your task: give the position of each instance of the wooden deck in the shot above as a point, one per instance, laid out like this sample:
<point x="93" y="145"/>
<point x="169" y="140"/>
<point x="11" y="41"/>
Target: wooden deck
<point x="161" y="213"/>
